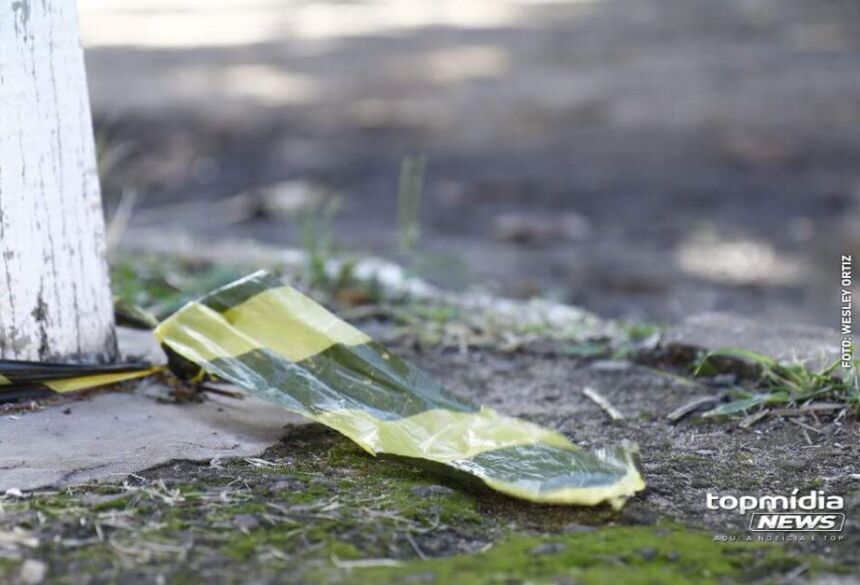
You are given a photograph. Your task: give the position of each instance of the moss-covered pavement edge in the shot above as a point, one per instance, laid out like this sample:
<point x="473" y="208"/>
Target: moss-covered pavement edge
<point x="317" y="509"/>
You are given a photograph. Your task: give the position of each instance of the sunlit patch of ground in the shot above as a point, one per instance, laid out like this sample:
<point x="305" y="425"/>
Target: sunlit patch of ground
<point x="213" y="23"/>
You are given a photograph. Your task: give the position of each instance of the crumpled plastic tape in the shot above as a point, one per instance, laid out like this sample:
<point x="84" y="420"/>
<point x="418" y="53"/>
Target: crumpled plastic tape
<point x="284" y="348"/>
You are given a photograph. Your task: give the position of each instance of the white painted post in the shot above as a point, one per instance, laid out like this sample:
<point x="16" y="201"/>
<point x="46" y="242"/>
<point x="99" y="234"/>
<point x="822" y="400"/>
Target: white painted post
<point x="55" y="301"/>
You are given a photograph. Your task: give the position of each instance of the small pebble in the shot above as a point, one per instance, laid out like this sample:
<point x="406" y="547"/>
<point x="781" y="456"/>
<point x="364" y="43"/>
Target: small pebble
<point x="574" y="527"/>
<point x="648" y="554"/>
<point x="610" y="365"/>
<point x="32" y="572"/>
<point x="245" y="521"/>
<point x="549" y="548"/>
<point x="724" y="380"/>
<point x="423" y="577"/>
<point x="288" y="485"/>
<point x="324" y="482"/>
<point x="428" y="491"/>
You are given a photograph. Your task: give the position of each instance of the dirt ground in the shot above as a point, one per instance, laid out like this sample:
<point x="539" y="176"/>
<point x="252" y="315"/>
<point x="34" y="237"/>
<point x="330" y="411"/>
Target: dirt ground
<point x="646" y="160"/>
<point x="683" y="461"/>
<point x="314" y="508"/>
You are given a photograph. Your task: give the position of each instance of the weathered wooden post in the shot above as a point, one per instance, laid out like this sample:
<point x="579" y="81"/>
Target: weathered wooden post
<point x="55" y="301"/>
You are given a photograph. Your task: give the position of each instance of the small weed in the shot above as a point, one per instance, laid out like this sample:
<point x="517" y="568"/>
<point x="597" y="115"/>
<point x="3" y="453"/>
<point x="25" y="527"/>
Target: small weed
<point x="328" y="272"/>
<point x="409" y="193"/>
<point x="161" y="285"/>
<point x="318" y="241"/>
<point x="787" y="383"/>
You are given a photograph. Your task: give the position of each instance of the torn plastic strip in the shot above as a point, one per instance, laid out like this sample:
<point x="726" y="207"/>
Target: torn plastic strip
<point x="285" y="348"/>
<point x="23" y="379"/>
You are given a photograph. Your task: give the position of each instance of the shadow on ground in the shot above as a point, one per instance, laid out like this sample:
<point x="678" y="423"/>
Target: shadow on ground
<point x="647" y="160"/>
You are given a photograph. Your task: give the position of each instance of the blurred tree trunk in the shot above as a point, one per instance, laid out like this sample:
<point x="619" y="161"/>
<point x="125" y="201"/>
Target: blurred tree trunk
<point x="55" y="300"/>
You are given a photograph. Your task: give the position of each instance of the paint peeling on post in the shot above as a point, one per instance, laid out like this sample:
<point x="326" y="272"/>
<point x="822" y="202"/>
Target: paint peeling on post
<point x="55" y="300"/>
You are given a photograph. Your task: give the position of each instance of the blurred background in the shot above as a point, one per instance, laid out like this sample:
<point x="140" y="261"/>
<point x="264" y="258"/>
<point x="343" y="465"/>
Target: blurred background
<point x="646" y="159"/>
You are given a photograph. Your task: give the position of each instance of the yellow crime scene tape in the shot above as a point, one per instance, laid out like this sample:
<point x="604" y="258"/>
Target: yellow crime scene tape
<point x="19" y="376"/>
<point x="284" y="348"/>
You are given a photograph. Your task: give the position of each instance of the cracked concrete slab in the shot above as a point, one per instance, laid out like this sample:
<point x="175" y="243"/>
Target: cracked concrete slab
<point x="817" y="347"/>
<point x="107" y="435"/>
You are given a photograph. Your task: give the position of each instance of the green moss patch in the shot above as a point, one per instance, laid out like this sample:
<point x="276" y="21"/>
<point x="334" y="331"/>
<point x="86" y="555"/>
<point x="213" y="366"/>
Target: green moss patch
<point x="612" y="555"/>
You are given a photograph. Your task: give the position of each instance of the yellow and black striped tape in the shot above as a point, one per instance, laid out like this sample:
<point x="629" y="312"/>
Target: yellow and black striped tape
<point x="31" y="378"/>
<point x="285" y="348"/>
